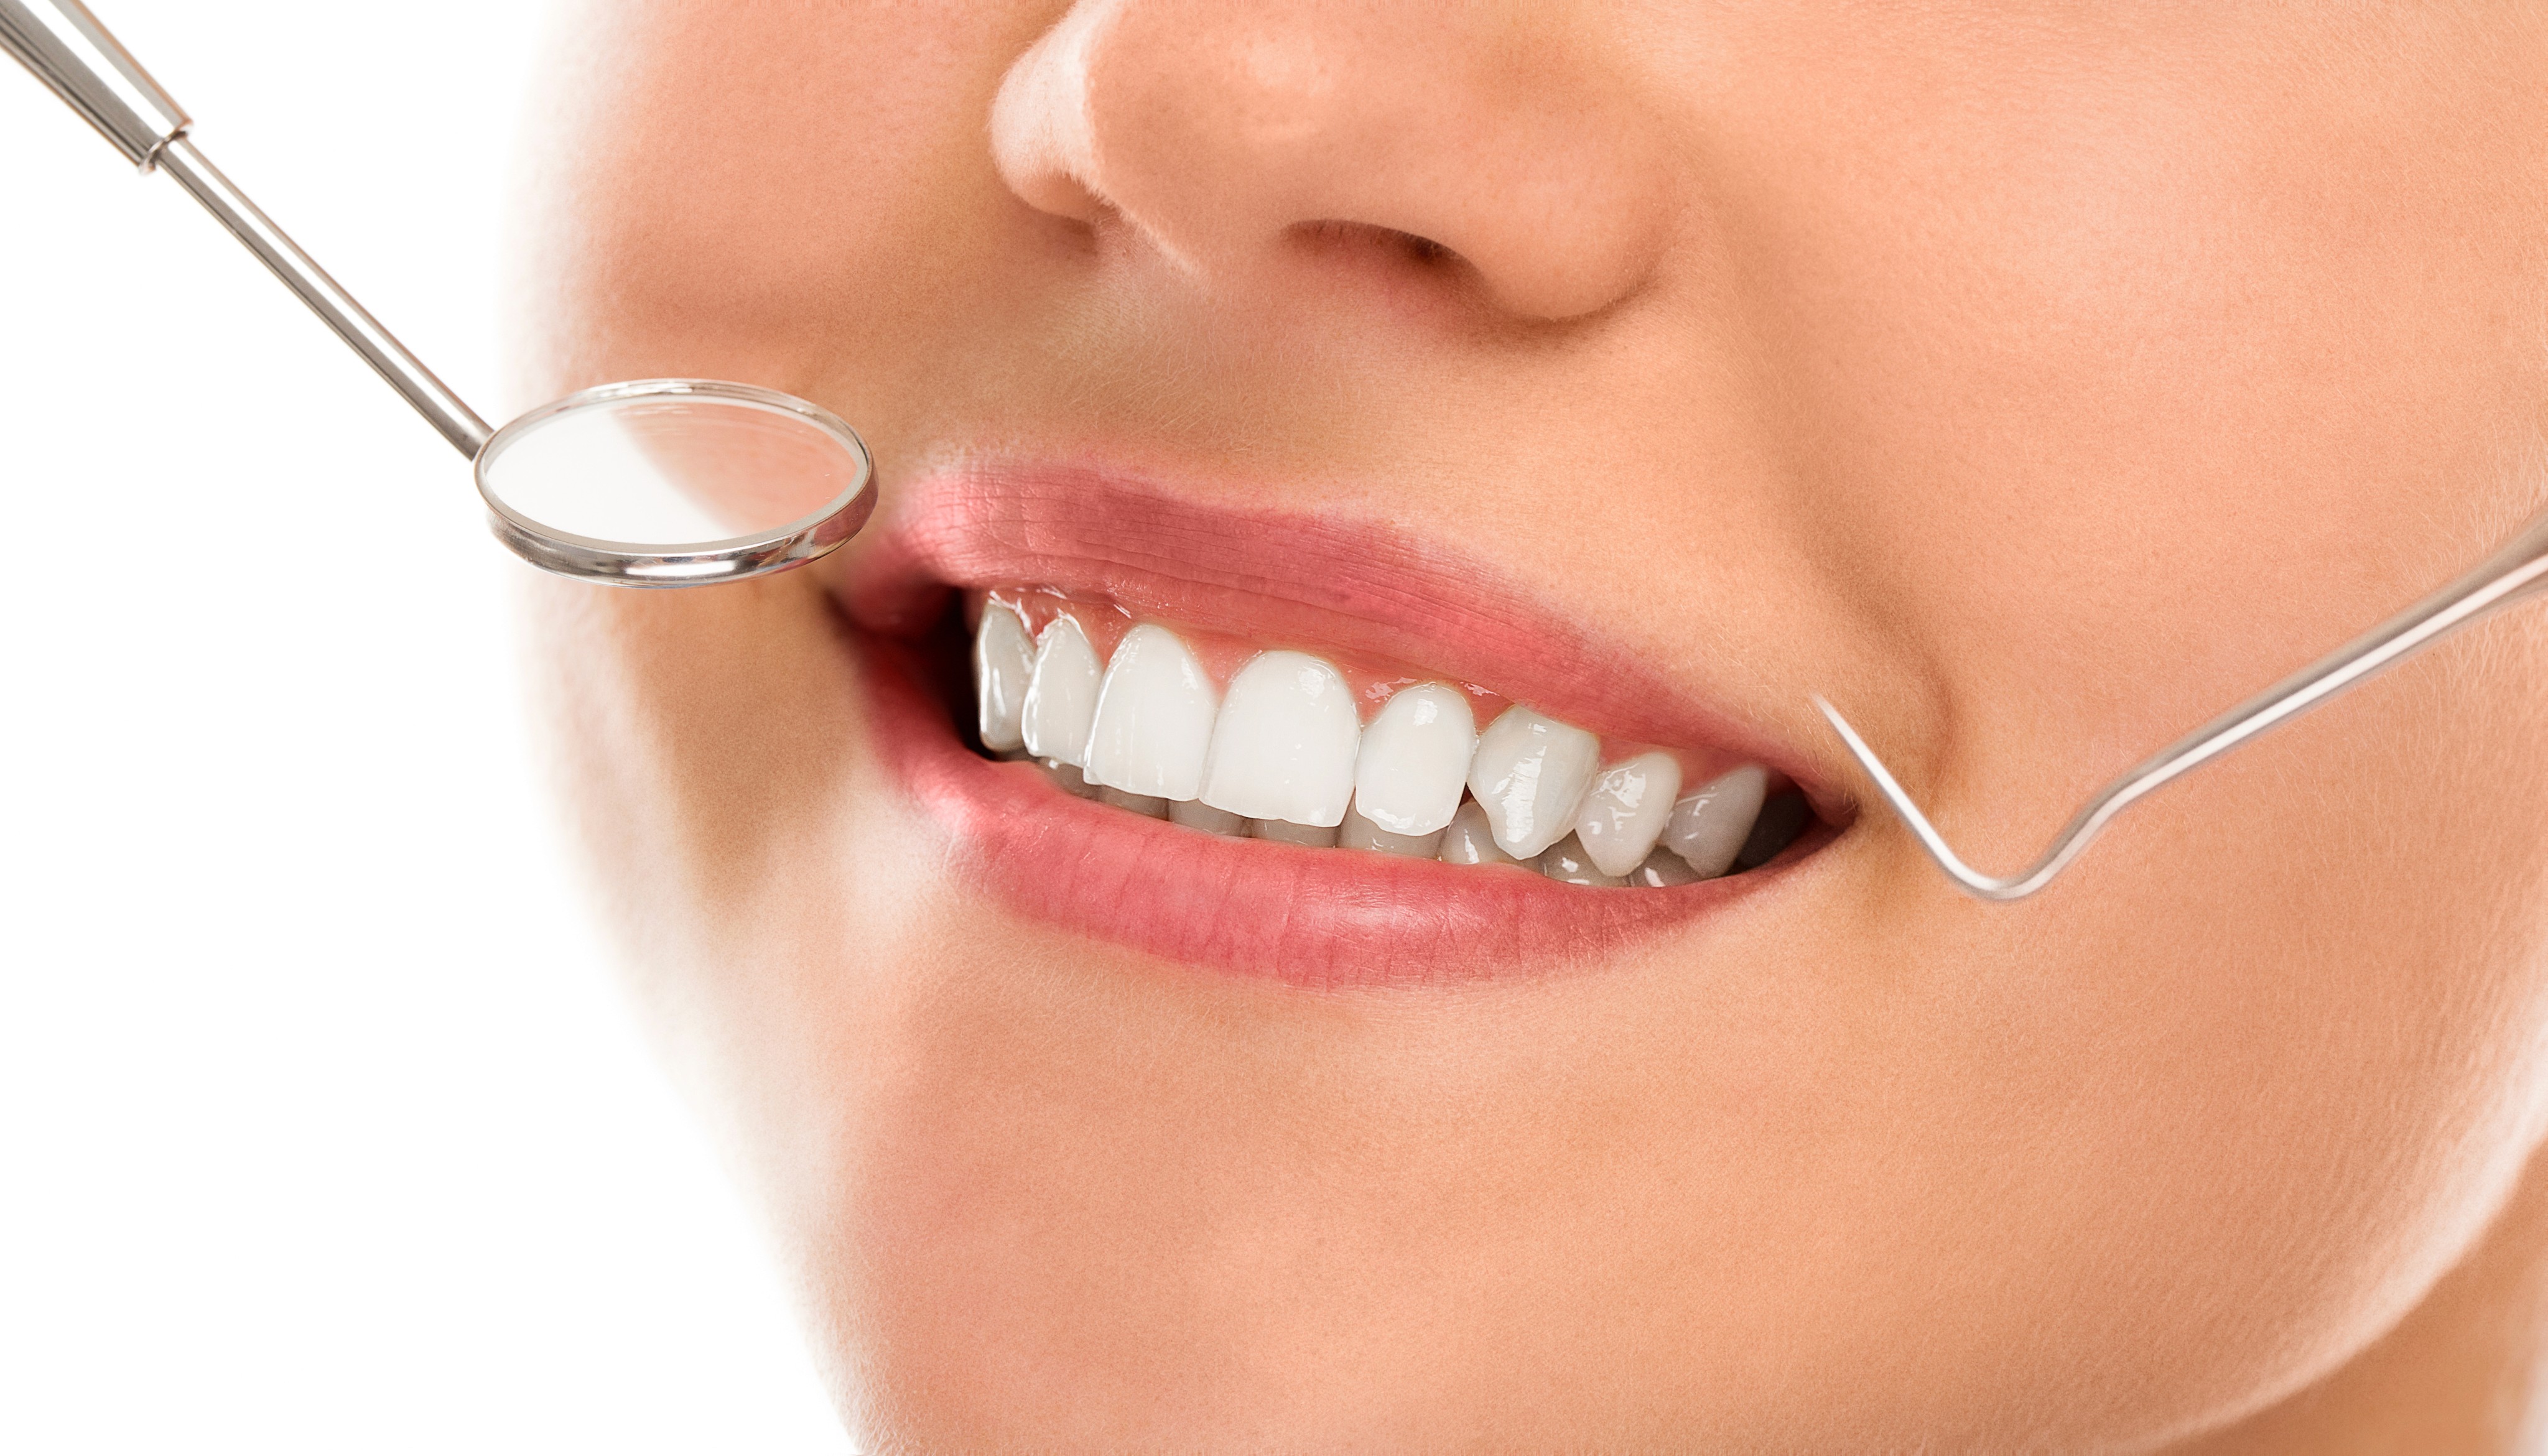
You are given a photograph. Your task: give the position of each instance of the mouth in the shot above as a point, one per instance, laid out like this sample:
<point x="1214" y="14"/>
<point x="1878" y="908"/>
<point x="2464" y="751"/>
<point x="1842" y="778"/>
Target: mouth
<point x="1287" y="745"/>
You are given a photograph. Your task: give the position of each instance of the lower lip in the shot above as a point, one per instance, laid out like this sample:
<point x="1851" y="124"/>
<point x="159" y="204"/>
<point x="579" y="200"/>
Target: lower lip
<point x="1310" y="916"/>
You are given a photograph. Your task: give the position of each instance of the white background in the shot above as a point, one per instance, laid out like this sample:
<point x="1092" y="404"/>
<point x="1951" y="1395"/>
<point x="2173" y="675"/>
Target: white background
<point x="321" y="1125"/>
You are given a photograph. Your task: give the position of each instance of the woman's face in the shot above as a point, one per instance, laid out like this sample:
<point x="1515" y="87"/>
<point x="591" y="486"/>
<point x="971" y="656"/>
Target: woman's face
<point x="2031" y="380"/>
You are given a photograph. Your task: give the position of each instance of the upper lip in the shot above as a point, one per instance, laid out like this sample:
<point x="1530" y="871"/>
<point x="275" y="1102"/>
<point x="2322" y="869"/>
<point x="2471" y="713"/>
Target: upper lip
<point x="1357" y="587"/>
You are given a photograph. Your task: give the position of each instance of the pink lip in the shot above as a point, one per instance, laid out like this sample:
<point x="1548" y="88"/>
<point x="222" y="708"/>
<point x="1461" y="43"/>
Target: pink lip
<point x="1315" y="917"/>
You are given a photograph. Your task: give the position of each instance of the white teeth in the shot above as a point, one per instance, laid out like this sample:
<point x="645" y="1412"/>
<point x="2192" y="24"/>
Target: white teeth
<point x="1061" y="697"/>
<point x="1471" y="840"/>
<point x="1359" y="832"/>
<point x="1661" y="871"/>
<point x="1284" y="745"/>
<point x="1624" y="811"/>
<point x="1566" y="861"/>
<point x="1003" y="661"/>
<point x="1195" y="814"/>
<point x="1153" y="724"/>
<point x="1530" y="771"/>
<point x="1709" y="826"/>
<point x="1138" y="803"/>
<point x="1283" y="831"/>
<point x="1283" y="756"/>
<point x="1415" y="760"/>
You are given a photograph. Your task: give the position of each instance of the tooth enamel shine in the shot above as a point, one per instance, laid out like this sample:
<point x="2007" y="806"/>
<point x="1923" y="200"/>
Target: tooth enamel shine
<point x="1153" y="724"/>
<point x="1414" y="760"/>
<point x="1003" y="664"/>
<point x="1567" y="863"/>
<point x="1284" y="744"/>
<point x="1624" y="811"/>
<point x="1529" y="774"/>
<point x="1663" y="870"/>
<point x="1282" y="755"/>
<point x="1708" y="827"/>
<point x="1062" y="696"/>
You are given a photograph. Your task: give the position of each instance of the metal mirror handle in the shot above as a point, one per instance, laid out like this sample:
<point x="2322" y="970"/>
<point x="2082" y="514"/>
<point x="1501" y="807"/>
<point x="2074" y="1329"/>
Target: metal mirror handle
<point x="68" y="50"/>
<point x="85" y="65"/>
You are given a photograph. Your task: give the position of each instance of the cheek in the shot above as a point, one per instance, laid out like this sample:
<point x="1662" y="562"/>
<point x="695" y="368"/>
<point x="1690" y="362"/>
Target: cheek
<point x="774" y="203"/>
<point x="2258" y="1070"/>
<point x="2151" y="389"/>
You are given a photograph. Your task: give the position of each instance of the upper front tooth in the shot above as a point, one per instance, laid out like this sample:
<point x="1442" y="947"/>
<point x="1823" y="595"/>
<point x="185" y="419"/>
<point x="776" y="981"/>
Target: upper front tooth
<point x="1624" y="811"/>
<point x="1709" y="826"/>
<point x="1062" y="696"/>
<point x="1153" y="720"/>
<point x="1529" y="774"/>
<point x="1284" y="744"/>
<point x="1415" y="760"/>
<point x="1003" y="661"/>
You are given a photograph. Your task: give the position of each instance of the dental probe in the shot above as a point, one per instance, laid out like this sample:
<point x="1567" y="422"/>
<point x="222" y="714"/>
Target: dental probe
<point x="2519" y="567"/>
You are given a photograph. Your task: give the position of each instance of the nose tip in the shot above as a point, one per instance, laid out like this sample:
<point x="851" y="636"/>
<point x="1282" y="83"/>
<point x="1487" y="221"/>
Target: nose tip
<point x="1226" y="134"/>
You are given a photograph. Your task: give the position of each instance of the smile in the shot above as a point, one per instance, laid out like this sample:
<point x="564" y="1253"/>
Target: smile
<point x="1230" y="738"/>
<point x="1202" y="733"/>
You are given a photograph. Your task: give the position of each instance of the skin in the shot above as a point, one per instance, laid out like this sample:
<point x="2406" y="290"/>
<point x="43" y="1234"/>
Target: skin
<point x="2034" y="379"/>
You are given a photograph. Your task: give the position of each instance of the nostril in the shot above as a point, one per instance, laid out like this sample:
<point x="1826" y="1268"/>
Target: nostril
<point x="1426" y="251"/>
<point x="1224" y="135"/>
<point x="1336" y="239"/>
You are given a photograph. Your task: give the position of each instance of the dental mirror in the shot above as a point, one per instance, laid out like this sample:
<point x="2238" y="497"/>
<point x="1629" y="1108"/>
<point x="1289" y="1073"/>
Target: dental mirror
<point x="651" y="482"/>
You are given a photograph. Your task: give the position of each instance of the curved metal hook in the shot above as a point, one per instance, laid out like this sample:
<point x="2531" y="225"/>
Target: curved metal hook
<point x="2519" y="567"/>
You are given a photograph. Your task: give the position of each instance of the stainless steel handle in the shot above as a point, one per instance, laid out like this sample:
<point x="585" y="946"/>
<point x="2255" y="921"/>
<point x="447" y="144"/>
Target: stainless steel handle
<point x="68" y="50"/>
<point x="301" y="273"/>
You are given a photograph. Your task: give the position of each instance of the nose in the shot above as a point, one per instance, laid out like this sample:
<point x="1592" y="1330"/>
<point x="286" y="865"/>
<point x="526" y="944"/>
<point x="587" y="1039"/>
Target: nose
<point x="1233" y="136"/>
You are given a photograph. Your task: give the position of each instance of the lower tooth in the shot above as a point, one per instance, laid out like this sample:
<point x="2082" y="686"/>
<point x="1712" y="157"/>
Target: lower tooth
<point x="1661" y="871"/>
<point x="1195" y="814"/>
<point x="1471" y="840"/>
<point x="1567" y="863"/>
<point x="1067" y="778"/>
<point x="1709" y="826"/>
<point x="1359" y="832"/>
<point x="1138" y="803"/>
<point x="1283" y="831"/>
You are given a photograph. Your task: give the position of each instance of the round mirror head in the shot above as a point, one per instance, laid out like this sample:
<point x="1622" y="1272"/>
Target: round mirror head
<point x="675" y="482"/>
